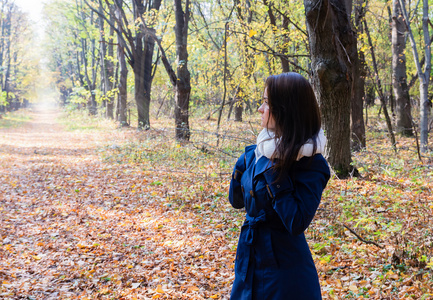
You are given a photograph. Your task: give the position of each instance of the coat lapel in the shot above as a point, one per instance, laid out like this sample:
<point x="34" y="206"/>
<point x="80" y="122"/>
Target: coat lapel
<point x="262" y="165"/>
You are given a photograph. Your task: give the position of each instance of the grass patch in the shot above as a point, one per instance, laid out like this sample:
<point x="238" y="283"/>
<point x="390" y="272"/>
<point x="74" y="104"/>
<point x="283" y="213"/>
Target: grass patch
<point x="80" y="120"/>
<point x="14" y="119"/>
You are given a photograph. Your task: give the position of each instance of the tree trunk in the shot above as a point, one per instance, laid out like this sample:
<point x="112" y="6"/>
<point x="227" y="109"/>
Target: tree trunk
<point x="123" y="96"/>
<point x="5" y="56"/>
<point x="239" y="108"/>
<point x="110" y="75"/>
<point x="142" y="64"/>
<point x="424" y="113"/>
<point x="358" y="126"/>
<point x="399" y="75"/>
<point x="183" y="86"/>
<point x="140" y="99"/>
<point x="331" y="38"/>
<point x="424" y="76"/>
<point x="90" y="81"/>
<point x="106" y="64"/>
<point x="424" y="82"/>
<point x="358" y="92"/>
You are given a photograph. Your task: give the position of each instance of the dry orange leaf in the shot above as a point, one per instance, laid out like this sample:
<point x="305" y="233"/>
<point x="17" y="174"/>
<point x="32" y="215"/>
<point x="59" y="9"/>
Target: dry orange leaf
<point x="216" y="296"/>
<point x="193" y="288"/>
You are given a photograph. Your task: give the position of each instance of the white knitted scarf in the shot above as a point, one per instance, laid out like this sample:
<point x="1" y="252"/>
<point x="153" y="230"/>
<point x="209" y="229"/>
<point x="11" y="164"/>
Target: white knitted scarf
<point x="266" y="144"/>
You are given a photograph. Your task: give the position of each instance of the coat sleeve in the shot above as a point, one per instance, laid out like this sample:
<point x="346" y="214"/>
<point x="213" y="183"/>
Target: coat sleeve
<point x="296" y="201"/>
<point x="236" y="197"/>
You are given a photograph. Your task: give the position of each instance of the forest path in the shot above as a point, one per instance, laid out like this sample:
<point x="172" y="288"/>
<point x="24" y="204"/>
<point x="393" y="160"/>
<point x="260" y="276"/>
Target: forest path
<point x="42" y="138"/>
<point x="75" y="226"/>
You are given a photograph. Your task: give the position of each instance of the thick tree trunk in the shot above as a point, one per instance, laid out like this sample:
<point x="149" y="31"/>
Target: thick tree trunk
<point x="239" y="108"/>
<point x="331" y="38"/>
<point x="140" y="100"/>
<point x="237" y="104"/>
<point x="142" y="68"/>
<point x="399" y="75"/>
<point x="142" y="64"/>
<point x="183" y="86"/>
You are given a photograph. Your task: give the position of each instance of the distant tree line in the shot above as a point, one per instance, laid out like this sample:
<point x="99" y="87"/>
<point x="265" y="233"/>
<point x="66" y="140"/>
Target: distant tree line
<point x="18" y="67"/>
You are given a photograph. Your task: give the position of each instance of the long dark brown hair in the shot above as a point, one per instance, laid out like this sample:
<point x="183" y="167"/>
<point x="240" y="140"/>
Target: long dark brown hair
<point x="294" y="107"/>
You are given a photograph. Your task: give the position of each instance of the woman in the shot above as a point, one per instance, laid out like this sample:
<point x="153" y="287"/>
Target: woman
<point x="280" y="183"/>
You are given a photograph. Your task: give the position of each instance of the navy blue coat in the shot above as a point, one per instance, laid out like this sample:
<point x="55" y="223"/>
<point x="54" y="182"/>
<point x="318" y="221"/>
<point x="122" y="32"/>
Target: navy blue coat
<point x="273" y="260"/>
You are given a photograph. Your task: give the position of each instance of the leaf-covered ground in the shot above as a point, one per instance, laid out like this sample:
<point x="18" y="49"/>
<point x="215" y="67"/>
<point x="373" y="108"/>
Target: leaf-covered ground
<point x="94" y="212"/>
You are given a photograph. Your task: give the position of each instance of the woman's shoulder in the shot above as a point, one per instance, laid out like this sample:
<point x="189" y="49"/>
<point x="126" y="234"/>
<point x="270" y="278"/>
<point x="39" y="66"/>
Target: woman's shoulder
<point x="315" y="163"/>
<point x="249" y="155"/>
<point x="250" y="148"/>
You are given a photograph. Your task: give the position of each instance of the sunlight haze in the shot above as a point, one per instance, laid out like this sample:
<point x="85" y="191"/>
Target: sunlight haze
<point x="32" y="7"/>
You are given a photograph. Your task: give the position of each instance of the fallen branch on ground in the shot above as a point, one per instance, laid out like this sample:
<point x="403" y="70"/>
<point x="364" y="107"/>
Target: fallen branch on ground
<point x="361" y="239"/>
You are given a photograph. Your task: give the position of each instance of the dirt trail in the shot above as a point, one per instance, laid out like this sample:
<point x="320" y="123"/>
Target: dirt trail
<point x="75" y="227"/>
<point x="42" y="136"/>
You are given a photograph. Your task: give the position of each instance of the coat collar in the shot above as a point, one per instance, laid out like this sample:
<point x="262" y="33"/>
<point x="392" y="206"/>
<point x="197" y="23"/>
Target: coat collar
<point x="262" y="165"/>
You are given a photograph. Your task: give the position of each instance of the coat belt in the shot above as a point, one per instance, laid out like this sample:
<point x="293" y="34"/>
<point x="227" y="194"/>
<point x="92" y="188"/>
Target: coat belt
<point x="246" y="245"/>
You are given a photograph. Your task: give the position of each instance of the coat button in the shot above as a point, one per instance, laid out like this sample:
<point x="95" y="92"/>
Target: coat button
<point x="252" y="193"/>
<point x="278" y="186"/>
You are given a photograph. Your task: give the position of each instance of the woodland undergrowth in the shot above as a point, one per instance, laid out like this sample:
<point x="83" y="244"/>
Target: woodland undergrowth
<point x="99" y="212"/>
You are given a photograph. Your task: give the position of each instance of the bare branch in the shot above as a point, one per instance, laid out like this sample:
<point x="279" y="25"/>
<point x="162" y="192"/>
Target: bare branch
<point x="360" y="238"/>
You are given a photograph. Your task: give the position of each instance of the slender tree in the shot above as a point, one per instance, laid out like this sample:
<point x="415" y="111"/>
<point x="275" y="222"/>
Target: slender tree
<point x="358" y="84"/>
<point x="423" y="75"/>
<point x="122" y="98"/>
<point x="379" y="88"/>
<point x="399" y="74"/>
<point x="180" y="79"/>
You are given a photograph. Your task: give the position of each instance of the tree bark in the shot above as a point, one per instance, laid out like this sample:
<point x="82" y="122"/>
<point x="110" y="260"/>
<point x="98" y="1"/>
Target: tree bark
<point x="239" y="108"/>
<point x="399" y="74"/>
<point x="123" y="76"/>
<point x="358" y="91"/>
<point x="331" y="38"/>
<point x="123" y="96"/>
<point x="141" y="63"/>
<point x="424" y="82"/>
<point x="183" y="85"/>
